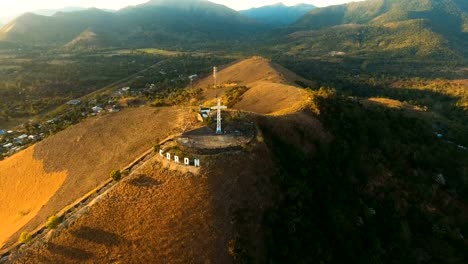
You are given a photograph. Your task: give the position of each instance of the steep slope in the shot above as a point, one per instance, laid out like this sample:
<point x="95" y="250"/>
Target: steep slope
<point x="279" y="14"/>
<point x="153" y="23"/>
<point x="40" y="181"/>
<point x="157" y="215"/>
<point x="431" y="28"/>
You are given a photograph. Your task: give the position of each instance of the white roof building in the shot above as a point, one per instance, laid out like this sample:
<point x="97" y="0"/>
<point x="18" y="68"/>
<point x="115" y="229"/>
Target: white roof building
<point x="7" y="145"/>
<point x="97" y="109"/>
<point x="22" y="137"/>
<point x="74" y="102"/>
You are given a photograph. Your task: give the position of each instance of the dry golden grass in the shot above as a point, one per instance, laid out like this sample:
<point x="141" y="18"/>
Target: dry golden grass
<point x="62" y="168"/>
<point x="393" y="103"/>
<point x="162" y="216"/>
<point x="272" y="88"/>
<point x="272" y="98"/>
<point x="252" y="70"/>
<point x="25" y="187"/>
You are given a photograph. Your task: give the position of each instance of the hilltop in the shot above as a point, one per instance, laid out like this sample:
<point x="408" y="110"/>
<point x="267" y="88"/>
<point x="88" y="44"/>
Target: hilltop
<point x="270" y="87"/>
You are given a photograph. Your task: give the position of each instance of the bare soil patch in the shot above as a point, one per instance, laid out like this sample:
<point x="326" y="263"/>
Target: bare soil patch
<point x="25" y="187"/>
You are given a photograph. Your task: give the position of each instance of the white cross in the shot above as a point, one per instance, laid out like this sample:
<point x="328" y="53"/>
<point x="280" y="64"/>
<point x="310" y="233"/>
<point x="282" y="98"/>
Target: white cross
<point x="218" y="117"/>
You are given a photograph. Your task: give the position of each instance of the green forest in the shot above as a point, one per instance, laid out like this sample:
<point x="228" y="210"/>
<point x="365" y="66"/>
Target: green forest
<point x="385" y="190"/>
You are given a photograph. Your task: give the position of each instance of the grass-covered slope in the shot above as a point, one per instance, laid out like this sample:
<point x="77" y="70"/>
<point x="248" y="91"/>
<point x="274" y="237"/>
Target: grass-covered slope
<point x="425" y="29"/>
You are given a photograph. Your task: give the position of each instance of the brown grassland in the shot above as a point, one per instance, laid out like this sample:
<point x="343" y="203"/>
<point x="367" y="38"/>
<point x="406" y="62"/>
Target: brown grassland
<point x="161" y="216"/>
<point x="38" y="182"/>
<point x="272" y="89"/>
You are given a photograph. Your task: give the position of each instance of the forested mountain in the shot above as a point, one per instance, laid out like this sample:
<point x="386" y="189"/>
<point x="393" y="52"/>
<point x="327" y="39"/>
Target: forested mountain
<point x="435" y="28"/>
<point x="279" y="14"/>
<point x="158" y="22"/>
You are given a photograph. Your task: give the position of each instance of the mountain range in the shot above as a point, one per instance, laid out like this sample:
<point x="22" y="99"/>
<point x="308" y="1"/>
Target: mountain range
<point x="279" y="14"/>
<point x="386" y="28"/>
<point x="158" y="22"/>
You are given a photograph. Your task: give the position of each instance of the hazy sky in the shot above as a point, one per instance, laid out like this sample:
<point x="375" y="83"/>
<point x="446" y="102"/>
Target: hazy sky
<point x="10" y="8"/>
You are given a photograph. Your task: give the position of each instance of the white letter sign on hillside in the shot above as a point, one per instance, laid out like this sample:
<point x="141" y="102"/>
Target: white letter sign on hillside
<point x="176" y="159"/>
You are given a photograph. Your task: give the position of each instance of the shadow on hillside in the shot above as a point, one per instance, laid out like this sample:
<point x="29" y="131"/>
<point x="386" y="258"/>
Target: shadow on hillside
<point x="98" y="236"/>
<point x="144" y="181"/>
<point x="69" y="252"/>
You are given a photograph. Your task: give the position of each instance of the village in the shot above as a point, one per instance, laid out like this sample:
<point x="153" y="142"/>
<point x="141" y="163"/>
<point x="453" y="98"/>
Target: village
<point x="19" y="138"/>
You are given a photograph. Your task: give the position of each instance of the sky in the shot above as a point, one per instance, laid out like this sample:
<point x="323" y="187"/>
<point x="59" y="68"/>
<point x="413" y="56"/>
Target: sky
<point x="13" y="8"/>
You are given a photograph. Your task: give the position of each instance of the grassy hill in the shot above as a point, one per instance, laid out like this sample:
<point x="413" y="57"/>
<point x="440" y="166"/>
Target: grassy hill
<point x="340" y="180"/>
<point x="269" y="88"/>
<point x="424" y="29"/>
<point x="39" y="181"/>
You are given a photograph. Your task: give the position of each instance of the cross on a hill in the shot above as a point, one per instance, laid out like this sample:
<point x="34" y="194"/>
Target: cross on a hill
<point x="218" y="116"/>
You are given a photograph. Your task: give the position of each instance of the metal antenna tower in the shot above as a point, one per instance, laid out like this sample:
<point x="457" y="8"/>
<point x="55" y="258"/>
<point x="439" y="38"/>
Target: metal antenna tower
<point x="215" y="75"/>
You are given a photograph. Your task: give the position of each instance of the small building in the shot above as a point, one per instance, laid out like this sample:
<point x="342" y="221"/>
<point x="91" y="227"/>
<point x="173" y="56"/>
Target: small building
<point x="74" y="102"/>
<point x="2" y="132"/>
<point x="205" y="111"/>
<point x="21" y="138"/>
<point x="97" y="109"/>
<point x="7" y="146"/>
<point x="125" y="89"/>
<point x="336" y="53"/>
